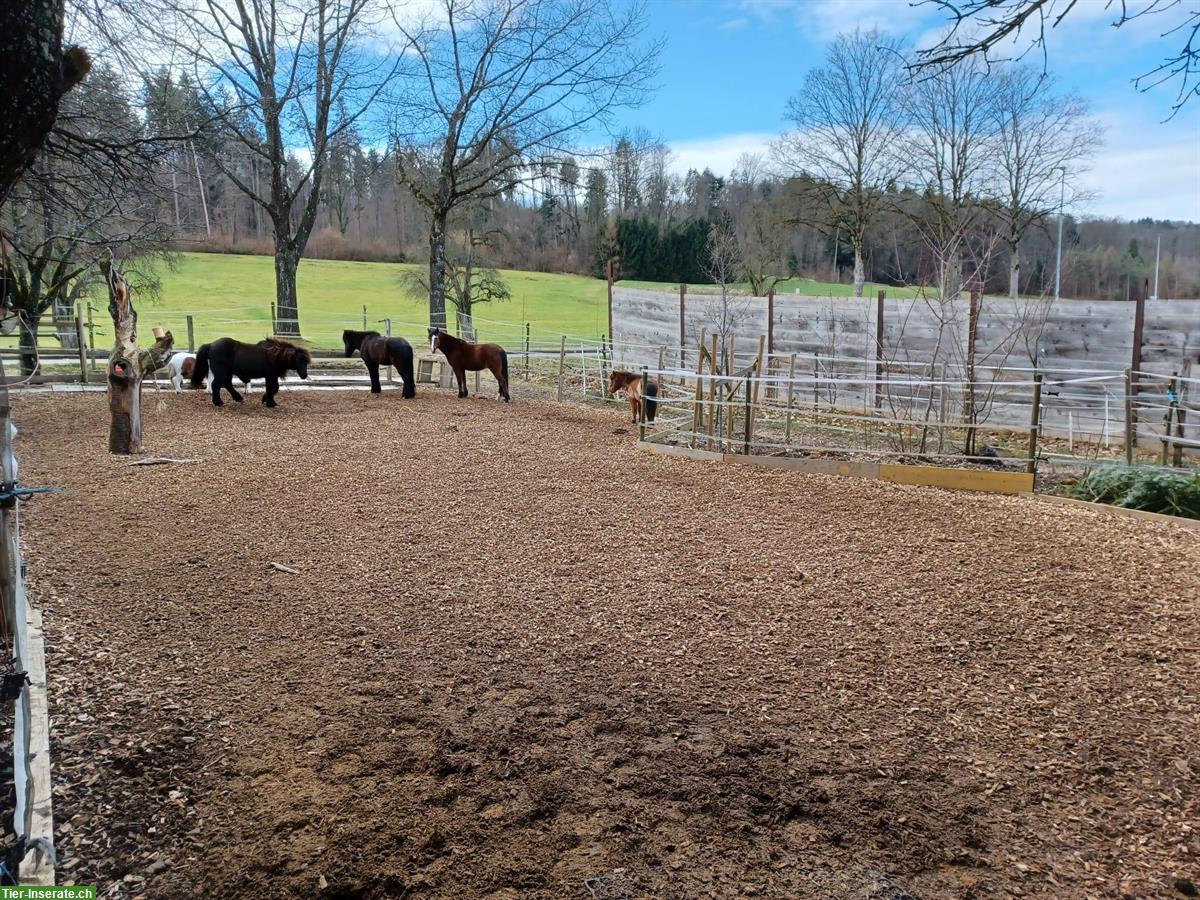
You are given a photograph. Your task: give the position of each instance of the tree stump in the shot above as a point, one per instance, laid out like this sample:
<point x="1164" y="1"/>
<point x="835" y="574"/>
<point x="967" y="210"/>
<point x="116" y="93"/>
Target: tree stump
<point x="127" y="365"/>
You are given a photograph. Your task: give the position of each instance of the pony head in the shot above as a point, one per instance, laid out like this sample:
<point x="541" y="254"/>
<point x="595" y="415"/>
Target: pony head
<point x="617" y="380"/>
<point x="348" y="340"/>
<point x="300" y="360"/>
<point x="435" y="339"/>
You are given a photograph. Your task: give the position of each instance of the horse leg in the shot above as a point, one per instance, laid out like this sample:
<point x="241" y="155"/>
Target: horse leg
<point x="373" y="371"/>
<point x="461" y="375"/>
<point x="272" y="390"/>
<point x="233" y="392"/>
<point x="633" y="406"/>
<point x="214" y="385"/>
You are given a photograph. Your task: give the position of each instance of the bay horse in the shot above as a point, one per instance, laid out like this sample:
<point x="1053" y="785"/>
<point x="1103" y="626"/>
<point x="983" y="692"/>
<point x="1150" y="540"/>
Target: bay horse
<point x="377" y="350"/>
<point x="634" y="392"/>
<point x="464" y="357"/>
<point x="269" y="359"/>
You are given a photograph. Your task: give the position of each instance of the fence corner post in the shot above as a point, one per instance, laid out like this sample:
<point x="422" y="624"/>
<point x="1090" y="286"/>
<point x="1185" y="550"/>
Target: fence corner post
<point x="81" y="344"/>
<point x="1035" y="417"/>
<point x="562" y="361"/>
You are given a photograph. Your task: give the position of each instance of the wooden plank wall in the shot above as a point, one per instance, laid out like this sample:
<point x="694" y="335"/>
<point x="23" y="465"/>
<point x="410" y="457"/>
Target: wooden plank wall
<point x="1067" y="336"/>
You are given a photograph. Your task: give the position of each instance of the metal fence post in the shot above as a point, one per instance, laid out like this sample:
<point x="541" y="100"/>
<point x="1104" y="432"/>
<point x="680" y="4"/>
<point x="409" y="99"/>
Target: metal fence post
<point x="1130" y="434"/>
<point x="83" y="362"/>
<point x="365" y="317"/>
<point x="749" y="420"/>
<point x="91" y="328"/>
<point x="526" y="351"/>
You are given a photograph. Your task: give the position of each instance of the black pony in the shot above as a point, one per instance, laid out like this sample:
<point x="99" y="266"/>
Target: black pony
<point x="268" y="359"/>
<point x="377" y="350"/>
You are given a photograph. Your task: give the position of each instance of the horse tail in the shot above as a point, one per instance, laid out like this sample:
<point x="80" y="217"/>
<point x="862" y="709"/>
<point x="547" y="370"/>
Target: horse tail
<point x="649" y="393"/>
<point x="404" y="365"/>
<point x="504" y="366"/>
<point x="200" y="372"/>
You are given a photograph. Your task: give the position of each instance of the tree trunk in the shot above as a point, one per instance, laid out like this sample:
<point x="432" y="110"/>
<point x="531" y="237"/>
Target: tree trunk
<point x="27" y="342"/>
<point x="437" y="269"/>
<point x="1014" y="272"/>
<point x="127" y="364"/>
<point x="124" y="374"/>
<point x="35" y="73"/>
<point x="287" y="307"/>
<point x="860" y="276"/>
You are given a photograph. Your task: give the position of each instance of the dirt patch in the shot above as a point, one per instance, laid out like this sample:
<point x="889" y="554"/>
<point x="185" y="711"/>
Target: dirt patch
<point x="524" y="659"/>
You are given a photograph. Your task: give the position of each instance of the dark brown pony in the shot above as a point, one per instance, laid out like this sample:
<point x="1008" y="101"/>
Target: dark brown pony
<point x="634" y="392"/>
<point x="268" y="359"/>
<point x="377" y="350"/>
<point x="464" y="357"/>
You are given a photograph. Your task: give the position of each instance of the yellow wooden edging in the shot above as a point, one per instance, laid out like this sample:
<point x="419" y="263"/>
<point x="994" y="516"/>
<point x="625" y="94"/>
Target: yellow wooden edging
<point x="958" y="479"/>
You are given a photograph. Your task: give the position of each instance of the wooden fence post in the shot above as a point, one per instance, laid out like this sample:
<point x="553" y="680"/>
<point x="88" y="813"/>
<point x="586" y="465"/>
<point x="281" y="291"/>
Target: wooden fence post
<point x="1035" y="416"/>
<point x="642" y="405"/>
<point x="274" y="319"/>
<point x="879" y="347"/>
<point x="191" y="335"/>
<point x="526" y="351"/>
<point x="712" y="391"/>
<point x="698" y="399"/>
<point x="562" y="361"/>
<point x="365" y="317"/>
<point x="1181" y="412"/>
<point x="1130" y="430"/>
<point x="1139" y="325"/>
<point x="91" y="328"/>
<point x="1168" y="419"/>
<point x="83" y="360"/>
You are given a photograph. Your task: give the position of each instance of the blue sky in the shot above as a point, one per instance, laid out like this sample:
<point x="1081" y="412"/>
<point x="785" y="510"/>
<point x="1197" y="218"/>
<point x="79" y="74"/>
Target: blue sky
<point x="730" y="66"/>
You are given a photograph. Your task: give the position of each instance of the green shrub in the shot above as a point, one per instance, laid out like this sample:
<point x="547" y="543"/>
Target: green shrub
<point x="1152" y="490"/>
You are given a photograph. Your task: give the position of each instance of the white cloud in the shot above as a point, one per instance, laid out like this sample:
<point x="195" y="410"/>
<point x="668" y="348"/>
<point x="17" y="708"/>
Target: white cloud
<point x="1146" y="169"/>
<point x="825" y="19"/>
<point x="718" y="153"/>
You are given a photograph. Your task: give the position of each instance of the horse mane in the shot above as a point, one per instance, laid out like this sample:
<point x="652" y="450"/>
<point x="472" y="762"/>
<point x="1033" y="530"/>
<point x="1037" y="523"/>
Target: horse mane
<point x="359" y="334"/>
<point x="620" y="378"/>
<point x="451" y="338"/>
<point x="283" y="354"/>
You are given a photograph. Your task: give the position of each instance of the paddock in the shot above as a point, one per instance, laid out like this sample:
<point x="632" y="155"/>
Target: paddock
<point x="368" y="647"/>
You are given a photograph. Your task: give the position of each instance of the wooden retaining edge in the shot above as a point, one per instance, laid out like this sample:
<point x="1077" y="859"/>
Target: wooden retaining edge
<point x="37" y="866"/>
<point x="926" y="476"/>
<point x="1160" y="518"/>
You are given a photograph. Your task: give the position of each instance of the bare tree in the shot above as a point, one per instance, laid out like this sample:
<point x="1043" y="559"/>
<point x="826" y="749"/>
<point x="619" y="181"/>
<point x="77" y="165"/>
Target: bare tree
<point x="849" y="122"/>
<point x="1006" y="29"/>
<point x="280" y="77"/>
<point x="725" y="310"/>
<point x="951" y="150"/>
<point x="506" y="82"/>
<point x="759" y="224"/>
<point x="1043" y="138"/>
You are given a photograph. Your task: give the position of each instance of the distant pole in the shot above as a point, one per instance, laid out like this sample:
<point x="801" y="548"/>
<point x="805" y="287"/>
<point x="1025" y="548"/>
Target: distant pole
<point x="91" y="330"/>
<point x="682" y="305"/>
<point x="1157" y="257"/>
<point x="1130" y="433"/>
<point x="879" y="347"/>
<point x="526" y="351"/>
<point x="642" y="406"/>
<point x="609" y="271"/>
<point x="364" y="317"/>
<point x="191" y="335"/>
<point x="81" y="344"/>
<point x="1062" y="197"/>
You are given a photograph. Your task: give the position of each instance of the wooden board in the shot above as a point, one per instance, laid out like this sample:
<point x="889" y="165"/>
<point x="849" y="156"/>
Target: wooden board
<point x="1107" y="509"/>
<point x="926" y="476"/>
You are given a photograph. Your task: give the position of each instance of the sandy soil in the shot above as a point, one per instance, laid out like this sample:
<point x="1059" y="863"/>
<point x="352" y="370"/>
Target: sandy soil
<point x="523" y="659"/>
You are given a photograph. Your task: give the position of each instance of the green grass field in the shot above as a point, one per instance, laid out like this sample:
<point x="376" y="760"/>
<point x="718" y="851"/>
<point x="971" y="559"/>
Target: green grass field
<point x="231" y="295"/>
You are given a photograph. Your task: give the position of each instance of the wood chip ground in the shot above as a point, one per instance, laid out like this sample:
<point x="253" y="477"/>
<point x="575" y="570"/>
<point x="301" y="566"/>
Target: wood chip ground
<point x="523" y="659"/>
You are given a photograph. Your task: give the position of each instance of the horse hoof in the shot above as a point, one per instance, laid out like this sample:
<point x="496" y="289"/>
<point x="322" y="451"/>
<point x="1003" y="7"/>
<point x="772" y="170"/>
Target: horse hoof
<point x="376" y="390"/>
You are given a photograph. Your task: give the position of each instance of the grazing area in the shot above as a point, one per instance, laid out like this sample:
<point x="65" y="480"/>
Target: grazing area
<point x="369" y="647"/>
